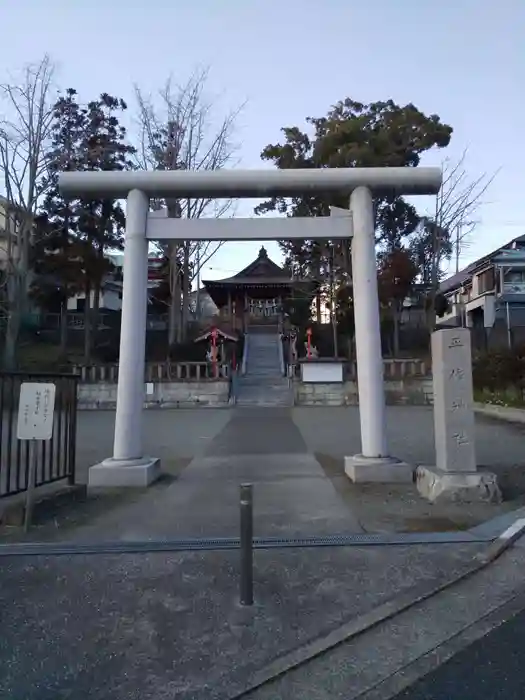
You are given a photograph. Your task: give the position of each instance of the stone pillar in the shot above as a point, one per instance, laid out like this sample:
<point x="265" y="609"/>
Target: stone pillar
<point x="128" y="466"/>
<point x="374" y="463"/>
<point x="455" y="476"/>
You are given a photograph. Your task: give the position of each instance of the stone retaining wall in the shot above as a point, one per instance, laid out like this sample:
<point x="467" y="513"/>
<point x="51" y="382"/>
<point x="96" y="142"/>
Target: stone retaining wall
<point x="103" y="395"/>
<point x="416" y="391"/>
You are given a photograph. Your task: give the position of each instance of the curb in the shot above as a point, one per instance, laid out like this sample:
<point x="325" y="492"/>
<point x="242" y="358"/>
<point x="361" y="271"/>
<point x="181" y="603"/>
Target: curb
<point x="357" y="626"/>
<point x="390" y="687"/>
<point x="504" y="541"/>
<point x="504" y="413"/>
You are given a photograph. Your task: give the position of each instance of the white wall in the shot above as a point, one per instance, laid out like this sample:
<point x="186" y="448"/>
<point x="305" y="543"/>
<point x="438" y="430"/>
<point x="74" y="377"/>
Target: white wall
<point x="109" y="299"/>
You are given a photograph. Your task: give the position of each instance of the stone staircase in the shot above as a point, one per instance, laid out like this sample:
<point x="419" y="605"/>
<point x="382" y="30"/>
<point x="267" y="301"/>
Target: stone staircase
<point x="263" y="383"/>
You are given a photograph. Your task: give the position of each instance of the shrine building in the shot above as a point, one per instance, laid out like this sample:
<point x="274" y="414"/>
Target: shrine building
<point x="255" y="295"/>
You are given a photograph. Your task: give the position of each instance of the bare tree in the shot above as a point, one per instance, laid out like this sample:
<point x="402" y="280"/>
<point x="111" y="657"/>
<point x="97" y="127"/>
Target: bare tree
<point x="177" y="131"/>
<point x="457" y="209"/>
<point x="25" y="124"/>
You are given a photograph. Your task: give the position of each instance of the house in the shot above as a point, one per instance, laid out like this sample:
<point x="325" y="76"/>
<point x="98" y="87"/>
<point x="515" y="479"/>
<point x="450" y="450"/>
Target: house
<point x="7" y="225"/>
<point x="490" y="293"/>
<point x="111" y="287"/>
<point x="202" y="306"/>
<point x="11" y="218"/>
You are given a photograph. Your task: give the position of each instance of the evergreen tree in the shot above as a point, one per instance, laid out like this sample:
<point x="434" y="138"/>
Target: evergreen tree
<point x="74" y="236"/>
<point x="353" y="134"/>
<point x="101" y="223"/>
<point x="57" y="253"/>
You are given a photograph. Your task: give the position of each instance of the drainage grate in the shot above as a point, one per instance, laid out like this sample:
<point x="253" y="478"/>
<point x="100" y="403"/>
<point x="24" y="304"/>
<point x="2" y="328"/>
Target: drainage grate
<point x="229" y="543"/>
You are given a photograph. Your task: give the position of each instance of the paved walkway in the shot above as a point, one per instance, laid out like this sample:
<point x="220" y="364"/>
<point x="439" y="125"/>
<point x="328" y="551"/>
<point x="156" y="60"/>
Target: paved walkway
<point x="263" y="446"/>
<point x="187" y="433"/>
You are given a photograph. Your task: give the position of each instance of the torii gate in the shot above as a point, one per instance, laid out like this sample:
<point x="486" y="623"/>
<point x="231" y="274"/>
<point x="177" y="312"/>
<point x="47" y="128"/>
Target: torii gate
<point x="129" y="466"/>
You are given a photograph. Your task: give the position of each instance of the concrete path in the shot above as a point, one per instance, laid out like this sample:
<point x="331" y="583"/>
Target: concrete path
<point x="187" y="433"/>
<point x="410" y="434"/>
<point x="262" y="446"/>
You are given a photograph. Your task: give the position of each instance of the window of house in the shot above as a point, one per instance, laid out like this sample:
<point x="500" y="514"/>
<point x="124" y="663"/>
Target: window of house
<point x="486" y="281"/>
<point x="515" y="277"/>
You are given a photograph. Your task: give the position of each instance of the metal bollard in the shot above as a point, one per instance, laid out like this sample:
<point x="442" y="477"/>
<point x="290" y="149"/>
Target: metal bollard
<point x="246" y="523"/>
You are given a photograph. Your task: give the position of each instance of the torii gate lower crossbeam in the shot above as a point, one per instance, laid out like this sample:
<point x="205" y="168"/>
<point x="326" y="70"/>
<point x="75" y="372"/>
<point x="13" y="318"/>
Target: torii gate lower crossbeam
<point x="129" y="466"/>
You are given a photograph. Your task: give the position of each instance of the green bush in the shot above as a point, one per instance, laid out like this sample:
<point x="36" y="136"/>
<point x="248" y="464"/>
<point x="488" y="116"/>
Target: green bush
<point x="497" y="371"/>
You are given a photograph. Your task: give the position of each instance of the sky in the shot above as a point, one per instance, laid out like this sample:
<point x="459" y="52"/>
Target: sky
<point x="284" y="60"/>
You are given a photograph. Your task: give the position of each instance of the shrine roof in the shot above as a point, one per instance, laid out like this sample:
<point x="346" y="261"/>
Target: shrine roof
<point x="261" y="271"/>
<point x="221" y="333"/>
<point x="251" y="281"/>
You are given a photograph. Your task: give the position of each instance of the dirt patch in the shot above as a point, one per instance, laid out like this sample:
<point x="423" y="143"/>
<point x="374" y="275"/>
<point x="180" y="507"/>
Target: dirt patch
<point x="383" y="508"/>
<point x="435" y="524"/>
<point x="59" y="519"/>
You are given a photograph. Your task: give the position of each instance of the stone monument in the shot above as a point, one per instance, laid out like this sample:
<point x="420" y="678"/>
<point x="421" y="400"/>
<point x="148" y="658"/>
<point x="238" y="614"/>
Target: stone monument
<point x="455" y="476"/>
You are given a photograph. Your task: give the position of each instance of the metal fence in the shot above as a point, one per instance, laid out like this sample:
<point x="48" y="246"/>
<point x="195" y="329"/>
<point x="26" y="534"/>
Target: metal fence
<point x="55" y="459"/>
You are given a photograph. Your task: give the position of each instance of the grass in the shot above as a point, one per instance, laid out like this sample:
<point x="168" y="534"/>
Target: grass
<point x="511" y="398"/>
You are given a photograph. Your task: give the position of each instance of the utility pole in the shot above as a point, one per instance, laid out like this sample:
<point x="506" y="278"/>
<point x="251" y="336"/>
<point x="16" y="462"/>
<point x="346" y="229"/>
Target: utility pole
<point x="458" y="244"/>
<point x="459" y="237"/>
<point x="333" y="317"/>
<point x="198" y="290"/>
<point x="175" y="321"/>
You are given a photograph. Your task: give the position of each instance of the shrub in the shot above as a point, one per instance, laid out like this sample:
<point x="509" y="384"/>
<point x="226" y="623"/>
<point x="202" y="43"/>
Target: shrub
<point x="499" y="370"/>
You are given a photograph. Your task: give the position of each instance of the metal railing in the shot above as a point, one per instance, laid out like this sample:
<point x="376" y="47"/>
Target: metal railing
<point x="280" y="346"/>
<point x="233" y="388"/>
<point x="244" y="363"/>
<point x="55" y="459"/>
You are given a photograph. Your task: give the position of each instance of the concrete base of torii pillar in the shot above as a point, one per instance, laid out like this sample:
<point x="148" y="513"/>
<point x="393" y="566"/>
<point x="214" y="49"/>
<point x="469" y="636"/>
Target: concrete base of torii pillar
<point x="124" y="472"/>
<point x="385" y="470"/>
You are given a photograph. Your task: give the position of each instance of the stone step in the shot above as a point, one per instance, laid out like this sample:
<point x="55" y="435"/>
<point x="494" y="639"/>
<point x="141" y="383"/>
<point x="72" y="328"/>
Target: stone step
<point x="263" y="384"/>
<point x="267" y="382"/>
<point x="262" y="355"/>
<point x="266" y="368"/>
<point x="262" y="391"/>
<point x="263" y="402"/>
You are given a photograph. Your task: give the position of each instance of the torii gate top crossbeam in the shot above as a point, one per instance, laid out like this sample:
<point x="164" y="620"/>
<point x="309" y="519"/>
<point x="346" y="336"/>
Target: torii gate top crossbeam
<point x="249" y="183"/>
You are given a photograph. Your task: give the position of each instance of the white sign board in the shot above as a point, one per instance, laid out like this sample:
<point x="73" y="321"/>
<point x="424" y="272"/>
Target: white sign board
<point x="36" y="411"/>
<point x="322" y="372"/>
